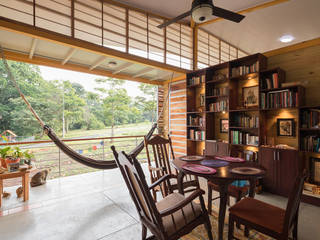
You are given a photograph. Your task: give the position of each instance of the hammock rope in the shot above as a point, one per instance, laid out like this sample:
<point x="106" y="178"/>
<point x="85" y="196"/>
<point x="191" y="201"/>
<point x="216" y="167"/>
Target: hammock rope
<point x="99" y="164"/>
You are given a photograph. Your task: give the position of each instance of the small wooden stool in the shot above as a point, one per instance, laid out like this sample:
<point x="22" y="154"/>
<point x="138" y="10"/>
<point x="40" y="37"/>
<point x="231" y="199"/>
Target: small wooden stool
<point x="25" y="182"/>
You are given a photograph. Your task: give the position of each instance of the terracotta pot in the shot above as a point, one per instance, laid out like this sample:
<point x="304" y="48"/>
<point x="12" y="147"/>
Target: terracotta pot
<point x="3" y="163"/>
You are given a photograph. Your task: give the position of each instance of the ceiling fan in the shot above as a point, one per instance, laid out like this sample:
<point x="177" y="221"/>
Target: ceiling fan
<point x="202" y="10"/>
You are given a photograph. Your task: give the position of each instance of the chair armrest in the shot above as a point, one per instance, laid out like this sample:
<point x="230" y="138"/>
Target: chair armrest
<point x="183" y="203"/>
<point x="156" y="169"/>
<point x="160" y="180"/>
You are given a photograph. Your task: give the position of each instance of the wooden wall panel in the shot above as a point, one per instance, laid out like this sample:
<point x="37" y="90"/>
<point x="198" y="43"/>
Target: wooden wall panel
<point x="177" y="116"/>
<point x="301" y="65"/>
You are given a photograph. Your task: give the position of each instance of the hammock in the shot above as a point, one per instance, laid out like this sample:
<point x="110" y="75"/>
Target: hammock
<point x="99" y="164"/>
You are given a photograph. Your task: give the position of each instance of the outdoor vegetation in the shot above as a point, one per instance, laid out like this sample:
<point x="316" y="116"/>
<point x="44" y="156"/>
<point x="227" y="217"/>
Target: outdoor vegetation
<point x="73" y="112"/>
<point x="67" y="106"/>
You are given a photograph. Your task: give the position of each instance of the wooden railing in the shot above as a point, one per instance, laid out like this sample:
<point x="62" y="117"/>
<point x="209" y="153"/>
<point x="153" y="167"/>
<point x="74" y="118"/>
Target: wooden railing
<point x="48" y="156"/>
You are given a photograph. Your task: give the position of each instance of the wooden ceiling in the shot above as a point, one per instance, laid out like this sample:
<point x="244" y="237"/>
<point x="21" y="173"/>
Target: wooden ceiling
<point x="260" y="30"/>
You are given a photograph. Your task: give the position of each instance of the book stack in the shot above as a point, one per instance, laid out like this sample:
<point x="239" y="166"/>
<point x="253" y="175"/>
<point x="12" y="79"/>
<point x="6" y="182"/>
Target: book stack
<point x="195" y="121"/>
<point x="279" y="99"/>
<point x="196" y="80"/>
<point x="217" y="91"/>
<point x="271" y="82"/>
<point x="238" y="137"/>
<point x="246" y="69"/>
<point x="219" y="106"/>
<point x="310" y="118"/>
<point x="196" y="135"/>
<point x="246" y="121"/>
<point x="310" y="144"/>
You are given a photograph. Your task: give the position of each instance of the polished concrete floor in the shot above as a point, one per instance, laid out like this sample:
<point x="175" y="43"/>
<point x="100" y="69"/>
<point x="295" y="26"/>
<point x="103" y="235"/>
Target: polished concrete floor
<point x="97" y="206"/>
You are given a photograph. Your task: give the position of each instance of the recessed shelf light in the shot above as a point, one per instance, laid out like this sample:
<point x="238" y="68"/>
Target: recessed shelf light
<point x="286" y="38"/>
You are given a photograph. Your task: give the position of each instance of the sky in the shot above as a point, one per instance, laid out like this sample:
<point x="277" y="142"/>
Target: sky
<point x="86" y="80"/>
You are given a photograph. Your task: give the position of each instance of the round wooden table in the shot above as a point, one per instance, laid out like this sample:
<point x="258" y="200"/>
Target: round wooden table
<point x="223" y="177"/>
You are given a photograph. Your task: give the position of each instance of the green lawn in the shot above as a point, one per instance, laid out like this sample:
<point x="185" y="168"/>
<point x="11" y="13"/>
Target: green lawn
<point x="121" y="130"/>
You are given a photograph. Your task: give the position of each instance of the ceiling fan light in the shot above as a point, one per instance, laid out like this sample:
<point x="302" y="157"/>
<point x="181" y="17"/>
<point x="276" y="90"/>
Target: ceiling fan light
<point x="202" y="13"/>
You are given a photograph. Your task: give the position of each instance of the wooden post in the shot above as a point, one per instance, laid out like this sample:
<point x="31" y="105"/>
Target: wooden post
<point x="25" y="186"/>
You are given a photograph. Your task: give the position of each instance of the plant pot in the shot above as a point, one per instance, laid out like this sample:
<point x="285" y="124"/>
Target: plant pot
<point x="3" y="163"/>
<point x="13" y="164"/>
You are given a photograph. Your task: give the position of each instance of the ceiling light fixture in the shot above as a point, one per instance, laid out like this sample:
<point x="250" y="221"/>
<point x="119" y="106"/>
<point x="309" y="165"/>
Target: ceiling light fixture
<point x="112" y="64"/>
<point x="286" y="38"/>
<point x="201" y="11"/>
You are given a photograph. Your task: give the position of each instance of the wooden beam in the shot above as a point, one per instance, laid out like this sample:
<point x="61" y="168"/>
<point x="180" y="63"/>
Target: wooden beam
<point x="161" y="76"/>
<point x="20" y="57"/>
<point x="68" y="56"/>
<point x="33" y="47"/>
<point x="248" y="10"/>
<point x="98" y="62"/>
<point x="293" y="47"/>
<point x="35" y="32"/>
<point x="143" y="72"/>
<point x="122" y="67"/>
<point x="181" y="77"/>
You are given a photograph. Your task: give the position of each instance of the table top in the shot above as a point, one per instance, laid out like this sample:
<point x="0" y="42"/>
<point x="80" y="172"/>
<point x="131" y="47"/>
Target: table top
<point x="222" y="172"/>
<point x="13" y="174"/>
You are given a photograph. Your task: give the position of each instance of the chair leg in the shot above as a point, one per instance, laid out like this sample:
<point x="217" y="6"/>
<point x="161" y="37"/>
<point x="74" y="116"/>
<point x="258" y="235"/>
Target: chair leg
<point x="207" y="225"/>
<point x="144" y="232"/>
<point x="237" y="200"/>
<point x="209" y="199"/>
<point x="231" y="227"/>
<point x="295" y="229"/>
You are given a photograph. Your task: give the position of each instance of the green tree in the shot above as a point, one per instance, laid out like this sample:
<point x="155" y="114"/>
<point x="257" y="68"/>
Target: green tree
<point x="148" y="105"/>
<point x="73" y="107"/>
<point x="116" y="104"/>
<point x="40" y="93"/>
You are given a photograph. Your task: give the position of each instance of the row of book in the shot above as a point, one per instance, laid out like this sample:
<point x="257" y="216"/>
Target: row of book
<point x="197" y="135"/>
<point x="279" y="99"/>
<point x="246" y="69"/>
<point x="217" y="91"/>
<point x="219" y="106"/>
<point x="246" y="121"/>
<point x="270" y="82"/>
<point x="195" y="121"/>
<point x="310" y="144"/>
<point x="310" y="118"/>
<point x="238" y="137"/>
<point x="196" y="80"/>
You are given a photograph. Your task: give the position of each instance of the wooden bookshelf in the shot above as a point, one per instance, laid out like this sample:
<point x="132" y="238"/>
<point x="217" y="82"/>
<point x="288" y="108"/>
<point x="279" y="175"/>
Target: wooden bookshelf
<point x="234" y="91"/>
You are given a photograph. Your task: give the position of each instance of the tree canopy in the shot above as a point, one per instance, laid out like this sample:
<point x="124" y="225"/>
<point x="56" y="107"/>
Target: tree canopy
<point x="55" y="101"/>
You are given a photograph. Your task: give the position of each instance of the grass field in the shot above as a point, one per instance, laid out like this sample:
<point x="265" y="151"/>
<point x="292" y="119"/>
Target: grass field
<point x="121" y="130"/>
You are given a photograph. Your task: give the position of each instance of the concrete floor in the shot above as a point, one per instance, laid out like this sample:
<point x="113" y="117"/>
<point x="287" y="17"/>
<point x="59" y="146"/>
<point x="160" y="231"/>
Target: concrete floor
<point x="97" y="206"/>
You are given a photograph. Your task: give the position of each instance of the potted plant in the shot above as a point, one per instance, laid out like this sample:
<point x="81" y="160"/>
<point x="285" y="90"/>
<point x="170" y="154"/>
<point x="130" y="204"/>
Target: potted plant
<point x="13" y="158"/>
<point x="3" y="155"/>
<point x="27" y="157"/>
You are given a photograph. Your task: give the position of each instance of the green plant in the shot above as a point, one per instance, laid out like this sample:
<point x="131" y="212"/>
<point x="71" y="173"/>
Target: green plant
<point x="14" y="153"/>
<point x="28" y="155"/>
<point x="4" y="152"/>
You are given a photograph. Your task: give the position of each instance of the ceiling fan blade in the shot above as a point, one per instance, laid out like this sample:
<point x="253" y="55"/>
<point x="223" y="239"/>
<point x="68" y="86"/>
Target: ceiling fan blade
<point x="226" y="14"/>
<point x="186" y="14"/>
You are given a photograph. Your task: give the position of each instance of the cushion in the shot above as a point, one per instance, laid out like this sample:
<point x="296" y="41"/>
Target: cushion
<point x="259" y="213"/>
<point x="172" y="200"/>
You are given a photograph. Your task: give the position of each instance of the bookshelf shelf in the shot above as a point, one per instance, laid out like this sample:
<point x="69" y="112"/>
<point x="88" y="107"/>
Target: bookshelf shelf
<point x="245" y="76"/>
<point x="195" y="85"/>
<point x="245" y="128"/>
<point x="279" y="89"/>
<point x="195" y="126"/>
<point x="244" y="110"/>
<point x="244" y="145"/>
<point x="194" y="140"/>
<point x="309" y="129"/>
<point x="222" y="96"/>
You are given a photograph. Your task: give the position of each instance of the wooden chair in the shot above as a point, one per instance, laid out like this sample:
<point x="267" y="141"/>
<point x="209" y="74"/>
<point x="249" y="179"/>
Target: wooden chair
<point x="172" y="217"/>
<point x="158" y="150"/>
<point x="267" y="219"/>
<point x="236" y="192"/>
